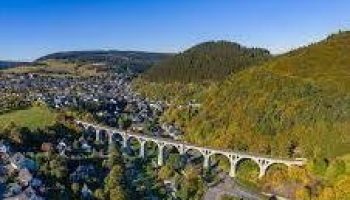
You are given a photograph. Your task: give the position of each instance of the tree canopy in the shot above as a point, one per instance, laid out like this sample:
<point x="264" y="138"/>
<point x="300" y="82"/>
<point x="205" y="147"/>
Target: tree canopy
<point x="295" y="105"/>
<point x="205" y="62"/>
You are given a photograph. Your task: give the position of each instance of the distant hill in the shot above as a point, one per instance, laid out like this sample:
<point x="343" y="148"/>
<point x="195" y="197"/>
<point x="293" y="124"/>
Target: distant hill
<point x="10" y="64"/>
<point x="136" y="61"/>
<point x="207" y="61"/>
<point x="297" y="104"/>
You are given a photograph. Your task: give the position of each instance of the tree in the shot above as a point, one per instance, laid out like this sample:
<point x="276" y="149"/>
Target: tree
<point x="58" y="168"/>
<point x="99" y="194"/>
<point x="166" y="172"/>
<point x="115" y="157"/>
<point x="117" y="193"/>
<point x="114" y="183"/>
<point x="75" y="188"/>
<point x="124" y="122"/>
<point x="175" y="161"/>
<point x="114" y="177"/>
<point x="14" y="133"/>
<point x="327" y="193"/>
<point x="342" y="188"/>
<point x="191" y="185"/>
<point x="303" y="193"/>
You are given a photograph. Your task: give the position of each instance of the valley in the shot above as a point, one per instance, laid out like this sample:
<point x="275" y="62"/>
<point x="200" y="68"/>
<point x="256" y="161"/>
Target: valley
<point x="178" y="126"/>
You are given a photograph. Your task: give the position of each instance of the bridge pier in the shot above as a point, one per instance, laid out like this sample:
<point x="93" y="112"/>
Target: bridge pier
<point x="263" y="165"/>
<point x="125" y="141"/>
<point x="97" y="138"/>
<point x="142" y="148"/>
<point x="160" y="154"/>
<point x="232" y="172"/>
<point x="262" y="172"/>
<point x="181" y="150"/>
<point x="233" y="166"/>
<point x="206" y="163"/>
<point x="206" y="155"/>
<point x="110" y="138"/>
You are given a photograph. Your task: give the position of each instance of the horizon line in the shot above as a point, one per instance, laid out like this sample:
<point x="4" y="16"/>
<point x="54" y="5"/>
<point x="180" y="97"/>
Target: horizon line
<point x="273" y="51"/>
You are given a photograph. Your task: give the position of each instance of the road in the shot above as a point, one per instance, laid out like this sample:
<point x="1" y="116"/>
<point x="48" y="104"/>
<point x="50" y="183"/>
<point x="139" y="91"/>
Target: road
<point x="229" y="187"/>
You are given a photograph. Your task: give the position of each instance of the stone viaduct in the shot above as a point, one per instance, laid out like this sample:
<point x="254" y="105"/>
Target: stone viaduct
<point x="264" y="162"/>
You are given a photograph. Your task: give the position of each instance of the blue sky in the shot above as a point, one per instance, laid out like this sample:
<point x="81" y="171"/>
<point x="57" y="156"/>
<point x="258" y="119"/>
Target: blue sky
<point x="32" y="28"/>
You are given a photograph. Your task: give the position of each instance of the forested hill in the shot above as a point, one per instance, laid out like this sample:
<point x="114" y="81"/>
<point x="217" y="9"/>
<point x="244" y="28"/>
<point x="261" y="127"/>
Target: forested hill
<point x="295" y="105"/>
<point x="136" y="61"/>
<point x="206" y="61"/>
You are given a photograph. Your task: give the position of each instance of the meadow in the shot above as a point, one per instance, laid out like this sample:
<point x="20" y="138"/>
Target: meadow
<point x="33" y="117"/>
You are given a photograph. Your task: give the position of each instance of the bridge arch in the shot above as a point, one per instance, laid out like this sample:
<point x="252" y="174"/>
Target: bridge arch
<point x="132" y="143"/>
<point x="115" y="138"/>
<point x="90" y="132"/>
<point x="131" y="138"/>
<point x="193" y="156"/>
<point x="276" y="167"/>
<point x="151" y="149"/>
<point x="192" y="148"/>
<point x="89" y="127"/>
<point x="247" y="168"/>
<point x="172" y="153"/>
<point x="102" y="135"/>
<point x="221" y="161"/>
<point x="173" y="148"/>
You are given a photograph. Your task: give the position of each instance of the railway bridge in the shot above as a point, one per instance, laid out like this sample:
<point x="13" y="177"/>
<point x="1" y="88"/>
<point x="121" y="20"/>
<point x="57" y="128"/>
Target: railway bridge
<point x="264" y="162"/>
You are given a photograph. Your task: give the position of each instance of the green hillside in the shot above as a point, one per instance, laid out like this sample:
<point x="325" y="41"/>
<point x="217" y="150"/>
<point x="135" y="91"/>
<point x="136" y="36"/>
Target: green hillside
<point x="295" y="105"/>
<point x="110" y="60"/>
<point x="325" y="64"/>
<point x="175" y="93"/>
<point x="205" y="62"/>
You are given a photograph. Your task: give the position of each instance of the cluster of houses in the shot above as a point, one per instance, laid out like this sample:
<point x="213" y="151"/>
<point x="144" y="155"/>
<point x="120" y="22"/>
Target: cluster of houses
<point x="17" y="176"/>
<point x="18" y="173"/>
<point x="172" y="131"/>
<point x="108" y="98"/>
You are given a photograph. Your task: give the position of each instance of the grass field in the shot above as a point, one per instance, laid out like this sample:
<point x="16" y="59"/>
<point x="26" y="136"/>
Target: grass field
<point x="34" y="117"/>
<point x="55" y="68"/>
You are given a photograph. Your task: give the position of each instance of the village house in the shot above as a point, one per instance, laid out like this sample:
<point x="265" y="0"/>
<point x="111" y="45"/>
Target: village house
<point x="3" y="170"/>
<point x="12" y="189"/>
<point x="3" y="148"/>
<point x="171" y="131"/>
<point x="62" y="148"/>
<point x="46" y="147"/>
<point x="24" y="177"/>
<point x="19" y="161"/>
<point x="29" y="193"/>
